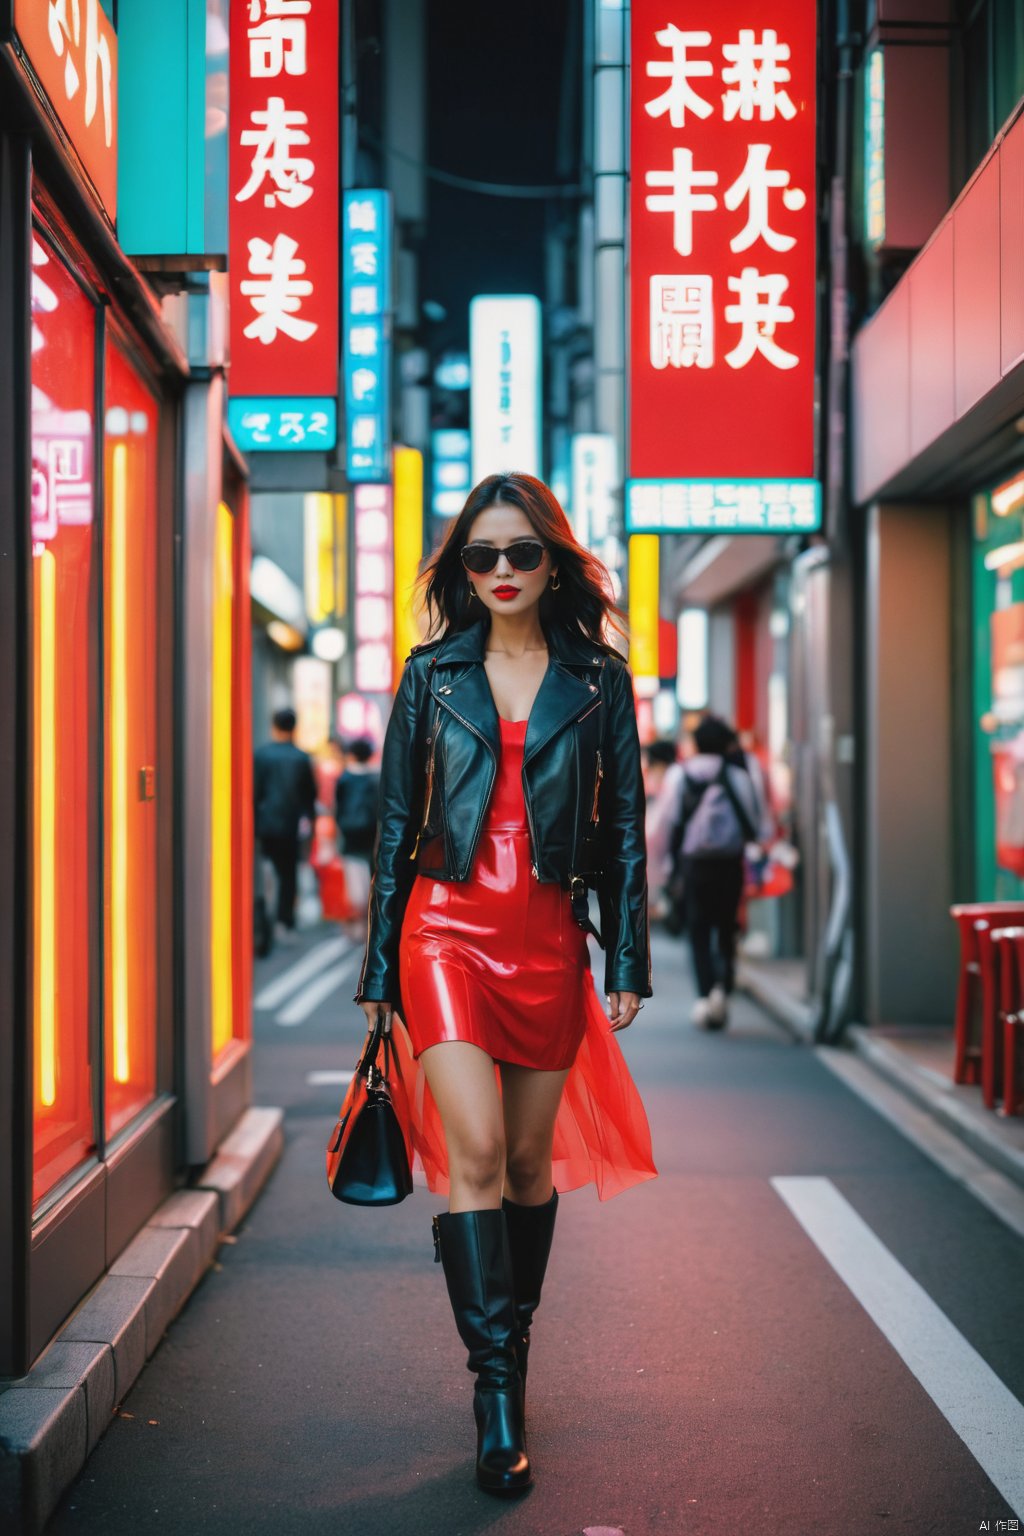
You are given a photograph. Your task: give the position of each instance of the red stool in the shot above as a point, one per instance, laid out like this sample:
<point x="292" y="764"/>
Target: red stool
<point x="977" y="987"/>
<point x="1011" y="946"/>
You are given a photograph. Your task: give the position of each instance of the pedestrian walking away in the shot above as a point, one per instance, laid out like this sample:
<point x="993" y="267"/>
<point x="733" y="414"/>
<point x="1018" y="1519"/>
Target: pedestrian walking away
<point x="510" y="785"/>
<point x="355" y="813"/>
<point x="284" y="794"/>
<point x="721" y="814"/>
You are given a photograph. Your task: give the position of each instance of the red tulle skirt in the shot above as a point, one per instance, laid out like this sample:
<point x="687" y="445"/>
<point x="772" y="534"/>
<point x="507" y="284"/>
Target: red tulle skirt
<point x="499" y="961"/>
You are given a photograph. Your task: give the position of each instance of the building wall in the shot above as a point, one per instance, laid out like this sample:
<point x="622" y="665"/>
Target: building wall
<point x="941" y="365"/>
<point x="910" y="953"/>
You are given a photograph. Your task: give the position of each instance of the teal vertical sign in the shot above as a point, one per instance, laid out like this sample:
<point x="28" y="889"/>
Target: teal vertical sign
<point x="172" y="127"/>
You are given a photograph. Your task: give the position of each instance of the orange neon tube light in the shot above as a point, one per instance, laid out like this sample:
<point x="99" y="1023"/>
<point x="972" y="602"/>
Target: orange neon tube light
<point x="46" y="824"/>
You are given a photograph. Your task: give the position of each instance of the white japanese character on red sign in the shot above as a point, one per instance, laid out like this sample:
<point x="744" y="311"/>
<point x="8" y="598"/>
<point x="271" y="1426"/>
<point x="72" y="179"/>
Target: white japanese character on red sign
<point x="275" y="134"/>
<point x="680" y="96"/>
<point x="756" y="72"/>
<point x="682" y="199"/>
<point x="754" y="183"/>
<point x="759" y="309"/>
<point x="278" y="44"/>
<point x="64" y="24"/>
<point x="682" y="322"/>
<point x="276" y="291"/>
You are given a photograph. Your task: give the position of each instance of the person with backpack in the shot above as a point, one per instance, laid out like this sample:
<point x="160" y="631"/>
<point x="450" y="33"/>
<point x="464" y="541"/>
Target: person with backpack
<point x="721" y="811"/>
<point x="355" y="812"/>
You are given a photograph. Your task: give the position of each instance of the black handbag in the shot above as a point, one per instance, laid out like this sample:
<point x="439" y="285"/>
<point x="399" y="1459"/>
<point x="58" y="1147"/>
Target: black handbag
<point x="367" y="1156"/>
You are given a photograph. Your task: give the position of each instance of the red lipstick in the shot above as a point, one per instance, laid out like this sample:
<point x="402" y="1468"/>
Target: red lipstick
<point x="505" y="593"/>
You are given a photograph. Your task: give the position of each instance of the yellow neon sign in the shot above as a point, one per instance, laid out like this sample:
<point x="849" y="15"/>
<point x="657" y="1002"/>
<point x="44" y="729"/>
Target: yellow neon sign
<point x="222" y="797"/>
<point x="643" y="605"/>
<point x="408" y="549"/>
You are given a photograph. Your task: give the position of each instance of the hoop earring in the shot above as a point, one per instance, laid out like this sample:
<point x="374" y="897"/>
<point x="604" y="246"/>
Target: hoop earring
<point x="555" y="583"/>
<point x="472" y="590"/>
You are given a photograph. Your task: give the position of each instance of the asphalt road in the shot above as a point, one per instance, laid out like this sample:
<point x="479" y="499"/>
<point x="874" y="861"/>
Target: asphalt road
<point x="700" y="1365"/>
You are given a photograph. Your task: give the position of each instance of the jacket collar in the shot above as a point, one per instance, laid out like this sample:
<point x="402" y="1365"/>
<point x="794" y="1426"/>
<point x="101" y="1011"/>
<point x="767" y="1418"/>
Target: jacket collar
<point x="467" y="645"/>
<point x="562" y="697"/>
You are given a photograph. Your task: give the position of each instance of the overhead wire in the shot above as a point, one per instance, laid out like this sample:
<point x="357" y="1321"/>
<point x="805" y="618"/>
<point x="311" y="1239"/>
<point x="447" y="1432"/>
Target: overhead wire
<point x="470" y="183"/>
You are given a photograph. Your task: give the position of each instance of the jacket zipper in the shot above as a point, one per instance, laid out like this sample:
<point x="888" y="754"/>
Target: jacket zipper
<point x="529" y="822"/>
<point x="430" y="785"/>
<point x="595" y="814"/>
<point x="480" y="737"/>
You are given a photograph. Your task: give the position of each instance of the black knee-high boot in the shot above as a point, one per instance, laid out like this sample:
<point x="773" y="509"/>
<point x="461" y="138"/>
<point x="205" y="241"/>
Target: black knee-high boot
<point x="473" y="1248"/>
<point x="530" y="1230"/>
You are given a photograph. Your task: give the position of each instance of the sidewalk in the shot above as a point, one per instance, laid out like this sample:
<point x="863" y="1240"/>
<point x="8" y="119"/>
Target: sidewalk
<point x="52" y="1419"/>
<point x="915" y="1060"/>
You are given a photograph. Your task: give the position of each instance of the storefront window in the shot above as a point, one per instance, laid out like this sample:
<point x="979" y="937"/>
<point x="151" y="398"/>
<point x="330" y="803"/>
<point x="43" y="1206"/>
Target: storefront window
<point x="998" y="692"/>
<point x="132" y="776"/>
<point x="63" y="393"/>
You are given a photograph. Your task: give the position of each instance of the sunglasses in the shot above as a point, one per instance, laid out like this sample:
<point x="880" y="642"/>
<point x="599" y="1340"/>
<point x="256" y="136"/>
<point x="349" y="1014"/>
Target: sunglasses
<point x="523" y="555"/>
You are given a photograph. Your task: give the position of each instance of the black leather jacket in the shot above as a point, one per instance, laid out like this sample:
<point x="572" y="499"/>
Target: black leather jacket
<point x="581" y="781"/>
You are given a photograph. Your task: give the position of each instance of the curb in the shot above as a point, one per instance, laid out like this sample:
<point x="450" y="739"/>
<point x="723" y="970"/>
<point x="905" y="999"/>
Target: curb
<point x="52" y="1419"/>
<point x="980" y="1129"/>
<point x="983" y="1131"/>
<point x="774" y="998"/>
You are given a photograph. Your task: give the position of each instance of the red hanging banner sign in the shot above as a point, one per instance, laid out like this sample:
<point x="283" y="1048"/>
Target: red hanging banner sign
<point x="72" y="49"/>
<point x="722" y="239"/>
<point x="283" y="178"/>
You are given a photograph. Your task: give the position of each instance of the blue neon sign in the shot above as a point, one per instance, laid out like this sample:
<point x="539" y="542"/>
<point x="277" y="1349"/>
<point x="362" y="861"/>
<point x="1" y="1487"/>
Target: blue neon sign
<point x="450" y="455"/>
<point x="366" y="271"/>
<point x="723" y="506"/>
<point x="283" y="423"/>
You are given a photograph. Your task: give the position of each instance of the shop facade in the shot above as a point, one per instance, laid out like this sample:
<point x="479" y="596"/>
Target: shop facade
<point x="938" y="396"/>
<point x="124" y="956"/>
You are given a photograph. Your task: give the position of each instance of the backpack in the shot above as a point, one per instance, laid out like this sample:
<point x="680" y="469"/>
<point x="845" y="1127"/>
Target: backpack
<point x="355" y="803"/>
<point x="720" y="822"/>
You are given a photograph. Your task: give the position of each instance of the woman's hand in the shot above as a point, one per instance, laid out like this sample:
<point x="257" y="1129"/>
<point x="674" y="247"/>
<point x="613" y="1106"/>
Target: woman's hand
<point x="375" y="1010"/>
<point x="624" y="1008"/>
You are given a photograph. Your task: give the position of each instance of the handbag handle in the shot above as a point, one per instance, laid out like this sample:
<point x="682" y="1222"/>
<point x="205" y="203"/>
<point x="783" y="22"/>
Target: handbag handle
<point x="368" y="1059"/>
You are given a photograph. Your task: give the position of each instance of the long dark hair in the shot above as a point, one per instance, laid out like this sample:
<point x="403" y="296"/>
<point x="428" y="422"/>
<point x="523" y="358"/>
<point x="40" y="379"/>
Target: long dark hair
<point x="582" y="604"/>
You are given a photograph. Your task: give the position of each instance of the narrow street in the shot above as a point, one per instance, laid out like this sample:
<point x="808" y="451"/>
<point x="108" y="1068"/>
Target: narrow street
<point x="699" y="1366"/>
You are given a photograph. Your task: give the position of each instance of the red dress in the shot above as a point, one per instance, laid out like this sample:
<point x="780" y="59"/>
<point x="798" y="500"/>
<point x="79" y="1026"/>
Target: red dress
<point x="499" y="961"/>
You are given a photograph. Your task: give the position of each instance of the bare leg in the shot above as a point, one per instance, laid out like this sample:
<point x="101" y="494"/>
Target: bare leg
<point x="461" y="1078"/>
<point x="530" y="1101"/>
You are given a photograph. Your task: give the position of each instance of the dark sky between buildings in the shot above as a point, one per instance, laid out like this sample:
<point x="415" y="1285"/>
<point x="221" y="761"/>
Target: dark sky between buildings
<point x="495" y="82"/>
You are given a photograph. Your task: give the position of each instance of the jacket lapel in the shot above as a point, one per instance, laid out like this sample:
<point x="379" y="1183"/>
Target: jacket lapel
<point x="460" y="685"/>
<point x="466" y="693"/>
<point x="562" y="697"/>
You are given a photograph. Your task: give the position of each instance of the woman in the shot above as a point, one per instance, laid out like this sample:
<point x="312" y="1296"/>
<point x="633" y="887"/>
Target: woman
<point x="510" y="781"/>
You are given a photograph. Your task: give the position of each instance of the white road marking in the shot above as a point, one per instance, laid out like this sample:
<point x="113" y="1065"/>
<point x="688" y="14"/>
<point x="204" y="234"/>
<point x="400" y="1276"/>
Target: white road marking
<point x="274" y="993"/>
<point x="315" y="992"/>
<point x="982" y="1410"/>
<point x="327" y="1078"/>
